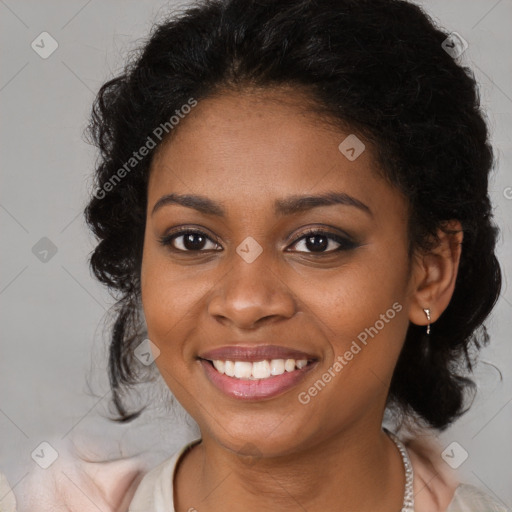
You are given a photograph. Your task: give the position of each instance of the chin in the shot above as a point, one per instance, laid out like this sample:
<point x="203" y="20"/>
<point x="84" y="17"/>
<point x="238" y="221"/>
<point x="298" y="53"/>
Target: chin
<point x="256" y="436"/>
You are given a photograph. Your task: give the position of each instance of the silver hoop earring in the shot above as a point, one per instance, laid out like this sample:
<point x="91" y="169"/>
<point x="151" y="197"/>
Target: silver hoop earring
<point x="427" y="312"/>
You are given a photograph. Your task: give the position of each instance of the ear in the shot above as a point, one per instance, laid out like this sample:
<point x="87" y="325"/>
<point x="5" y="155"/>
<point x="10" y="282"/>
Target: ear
<point x="434" y="273"/>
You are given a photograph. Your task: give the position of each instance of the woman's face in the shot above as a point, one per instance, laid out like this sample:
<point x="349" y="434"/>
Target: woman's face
<point x="254" y="278"/>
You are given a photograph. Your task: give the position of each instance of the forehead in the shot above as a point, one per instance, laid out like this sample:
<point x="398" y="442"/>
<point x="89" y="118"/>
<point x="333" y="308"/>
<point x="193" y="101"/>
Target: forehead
<point x="250" y="149"/>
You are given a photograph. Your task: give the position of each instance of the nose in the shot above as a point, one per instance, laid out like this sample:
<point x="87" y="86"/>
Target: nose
<point x="251" y="294"/>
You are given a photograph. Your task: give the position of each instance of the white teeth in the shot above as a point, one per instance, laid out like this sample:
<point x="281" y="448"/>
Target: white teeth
<point x="243" y="369"/>
<point x="220" y="366"/>
<point x="277" y="367"/>
<point x="259" y="369"/>
<point x="289" y="365"/>
<point x="229" y="368"/>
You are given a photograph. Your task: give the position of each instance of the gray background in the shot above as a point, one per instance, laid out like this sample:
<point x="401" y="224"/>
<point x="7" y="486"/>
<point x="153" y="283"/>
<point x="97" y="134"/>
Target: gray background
<point x="53" y="340"/>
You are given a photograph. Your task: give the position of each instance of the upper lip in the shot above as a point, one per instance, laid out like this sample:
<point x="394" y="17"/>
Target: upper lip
<point x="254" y="353"/>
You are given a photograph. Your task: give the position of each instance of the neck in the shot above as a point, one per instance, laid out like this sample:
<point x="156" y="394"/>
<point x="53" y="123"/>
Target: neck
<point x="359" y="470"/>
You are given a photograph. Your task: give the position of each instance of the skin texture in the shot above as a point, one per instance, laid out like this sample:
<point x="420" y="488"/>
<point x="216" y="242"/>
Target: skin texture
<point x="244" y="150"/>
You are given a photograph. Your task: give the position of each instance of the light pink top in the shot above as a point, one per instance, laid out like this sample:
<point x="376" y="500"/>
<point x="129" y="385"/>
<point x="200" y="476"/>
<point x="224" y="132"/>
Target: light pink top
<point x="133" y="484"/>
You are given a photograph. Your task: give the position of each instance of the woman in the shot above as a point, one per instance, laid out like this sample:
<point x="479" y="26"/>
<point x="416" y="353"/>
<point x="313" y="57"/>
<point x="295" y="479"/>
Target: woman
<point x="292" y="204"/>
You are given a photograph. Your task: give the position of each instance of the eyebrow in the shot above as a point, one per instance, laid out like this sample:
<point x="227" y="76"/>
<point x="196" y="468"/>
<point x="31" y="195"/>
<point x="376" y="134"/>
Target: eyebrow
<point x="287" y="206"/>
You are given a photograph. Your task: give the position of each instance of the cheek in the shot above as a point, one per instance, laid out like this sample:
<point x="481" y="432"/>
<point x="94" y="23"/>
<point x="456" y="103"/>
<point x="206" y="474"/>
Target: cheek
<point x="164" y="302"/>
<point x="361" y="308"/>
<point x="362" y="313"/>
<point x="173" y="299"/>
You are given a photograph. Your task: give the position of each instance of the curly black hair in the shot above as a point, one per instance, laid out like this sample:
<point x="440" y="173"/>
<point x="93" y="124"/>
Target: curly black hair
<point x="377" y="66"/>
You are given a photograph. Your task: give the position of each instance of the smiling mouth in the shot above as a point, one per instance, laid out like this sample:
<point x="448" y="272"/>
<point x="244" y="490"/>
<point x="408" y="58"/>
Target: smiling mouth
<point x="258" y="370"/>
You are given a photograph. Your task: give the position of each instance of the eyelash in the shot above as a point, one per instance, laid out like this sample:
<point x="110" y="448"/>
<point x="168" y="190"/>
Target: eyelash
<point x="345" y="242"/>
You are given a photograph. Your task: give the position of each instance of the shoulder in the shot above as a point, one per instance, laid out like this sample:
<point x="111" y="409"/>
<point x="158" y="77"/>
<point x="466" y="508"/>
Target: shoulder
<point x="434" y="481"/>
<point x="156" y="491"/>
<point x="75" y="482"/>
<point x="468" y="498"/>
<point x="437" y="487"/>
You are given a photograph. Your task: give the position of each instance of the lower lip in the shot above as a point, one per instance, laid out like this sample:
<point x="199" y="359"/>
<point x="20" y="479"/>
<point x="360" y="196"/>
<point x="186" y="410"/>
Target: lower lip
<point x="260" y="389"/>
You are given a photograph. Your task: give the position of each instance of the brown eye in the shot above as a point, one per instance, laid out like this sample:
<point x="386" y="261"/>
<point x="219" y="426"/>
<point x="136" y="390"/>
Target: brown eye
<point x="318" y="241"/>
<point x="188" y="241"/>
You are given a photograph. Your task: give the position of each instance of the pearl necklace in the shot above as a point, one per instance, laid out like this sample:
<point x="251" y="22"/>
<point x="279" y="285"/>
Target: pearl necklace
<point x="408" y="504"/>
